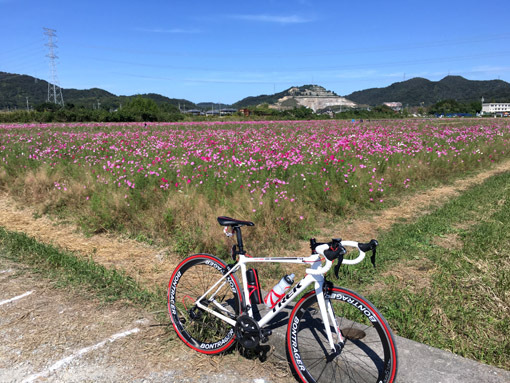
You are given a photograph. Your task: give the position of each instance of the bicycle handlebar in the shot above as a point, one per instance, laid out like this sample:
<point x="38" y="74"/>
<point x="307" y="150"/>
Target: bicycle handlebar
<point x="321" y="269"/>
<point x="336" y="250"/>
<point x="361" y="254"/>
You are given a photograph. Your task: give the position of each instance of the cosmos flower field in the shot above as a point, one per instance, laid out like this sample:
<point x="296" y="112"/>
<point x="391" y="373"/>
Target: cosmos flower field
<point x="288" y="171"/>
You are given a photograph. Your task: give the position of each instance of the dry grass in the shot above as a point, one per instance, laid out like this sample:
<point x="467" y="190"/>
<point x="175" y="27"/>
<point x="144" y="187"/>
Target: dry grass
<point x="451" y="241"/>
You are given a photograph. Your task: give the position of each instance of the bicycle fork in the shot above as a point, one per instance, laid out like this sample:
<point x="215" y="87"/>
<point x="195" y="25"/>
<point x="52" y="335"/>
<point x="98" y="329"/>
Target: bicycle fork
<point x="328" y="316"/>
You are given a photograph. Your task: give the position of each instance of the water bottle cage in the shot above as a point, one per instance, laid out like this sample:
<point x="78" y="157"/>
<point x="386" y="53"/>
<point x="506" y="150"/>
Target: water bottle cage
<point x="278" y="298"/>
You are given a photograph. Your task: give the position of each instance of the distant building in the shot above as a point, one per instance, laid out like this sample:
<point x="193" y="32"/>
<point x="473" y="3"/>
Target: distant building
<point x="496" y="108"/>
<point x="227" y="111"/>
<point x="194" y="112"/>
<point x="246" y="112"/>
<point x="396" y="106"/>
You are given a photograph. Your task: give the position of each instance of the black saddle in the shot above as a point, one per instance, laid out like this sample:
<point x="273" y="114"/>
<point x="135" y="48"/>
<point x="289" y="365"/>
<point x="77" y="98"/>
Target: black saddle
<point x="227" y="221"/>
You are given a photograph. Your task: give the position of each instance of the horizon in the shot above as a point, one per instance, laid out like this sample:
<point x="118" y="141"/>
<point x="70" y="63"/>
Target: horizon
<point x="222" y="103"/>
<point x="225" y="52"/>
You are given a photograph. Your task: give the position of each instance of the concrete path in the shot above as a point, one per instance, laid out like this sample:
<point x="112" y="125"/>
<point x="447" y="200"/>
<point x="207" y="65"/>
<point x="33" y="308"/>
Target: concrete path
<point x="421" y="363"/>
<point x="418" y="363"/>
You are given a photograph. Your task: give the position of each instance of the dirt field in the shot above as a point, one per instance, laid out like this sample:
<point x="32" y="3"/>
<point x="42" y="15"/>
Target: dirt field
<point x="55" y="335"/>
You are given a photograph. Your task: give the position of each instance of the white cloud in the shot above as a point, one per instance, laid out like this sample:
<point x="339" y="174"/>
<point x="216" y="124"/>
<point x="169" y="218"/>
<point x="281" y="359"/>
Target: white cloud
<point x="168" y="31"/>
<point x="291" y="19"/>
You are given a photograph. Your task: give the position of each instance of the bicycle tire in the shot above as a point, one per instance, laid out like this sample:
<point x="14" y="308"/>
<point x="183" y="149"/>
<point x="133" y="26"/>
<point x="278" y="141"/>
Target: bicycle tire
<point x="200" y="330"/>
<point x="368" y="355"/>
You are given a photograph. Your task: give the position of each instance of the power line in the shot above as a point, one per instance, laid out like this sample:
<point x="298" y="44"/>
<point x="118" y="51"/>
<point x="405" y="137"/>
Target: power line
<point x="336" y="67"/>
<point x="469" y="40"/>
<point x="54" y="90"/>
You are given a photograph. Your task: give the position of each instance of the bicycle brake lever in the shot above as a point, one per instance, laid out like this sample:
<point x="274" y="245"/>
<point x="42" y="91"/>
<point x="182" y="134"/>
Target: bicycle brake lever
<point x="369" y="246"/>
<point x="338" y="254"/>
<point x="374" y="245"/>
<point x="340" y="259"/>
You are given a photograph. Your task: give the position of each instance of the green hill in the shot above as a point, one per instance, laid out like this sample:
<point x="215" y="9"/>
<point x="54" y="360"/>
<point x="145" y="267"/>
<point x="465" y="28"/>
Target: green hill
<point x="15" y="88"/>
<point x="420" y="91"/>
<point x="261" y="99"/>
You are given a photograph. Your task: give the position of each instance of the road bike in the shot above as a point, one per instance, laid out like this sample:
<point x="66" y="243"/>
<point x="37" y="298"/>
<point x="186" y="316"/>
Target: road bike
<point x="333" y="334"/>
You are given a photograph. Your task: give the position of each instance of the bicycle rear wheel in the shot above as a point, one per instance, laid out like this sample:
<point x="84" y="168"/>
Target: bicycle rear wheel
<point x="368" y="355"/>
<point x="199" y="329"/>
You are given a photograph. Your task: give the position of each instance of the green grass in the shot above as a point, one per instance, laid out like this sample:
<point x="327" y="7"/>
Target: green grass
<point x="70" y="270"/>
<point x="97" y="199"/>
<point x="445" y="279"/>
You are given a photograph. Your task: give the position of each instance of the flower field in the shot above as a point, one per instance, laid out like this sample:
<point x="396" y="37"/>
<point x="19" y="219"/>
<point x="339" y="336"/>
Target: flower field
<point x="170" y="180"/>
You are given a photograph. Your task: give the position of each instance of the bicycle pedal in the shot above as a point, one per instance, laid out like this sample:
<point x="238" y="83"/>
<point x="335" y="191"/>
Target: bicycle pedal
<point x="264" y="334"/>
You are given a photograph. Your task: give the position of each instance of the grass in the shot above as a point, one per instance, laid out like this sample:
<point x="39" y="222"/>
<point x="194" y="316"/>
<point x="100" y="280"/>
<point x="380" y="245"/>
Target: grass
<point x="445" y="279"/>
<point x="442" y="280"/>
<point x="68" y="269"/>
<point x="286" y="177"/>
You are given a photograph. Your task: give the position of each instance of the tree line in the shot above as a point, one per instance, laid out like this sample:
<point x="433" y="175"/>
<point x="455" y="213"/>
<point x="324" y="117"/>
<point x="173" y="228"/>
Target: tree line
<point x="141" y="109"/>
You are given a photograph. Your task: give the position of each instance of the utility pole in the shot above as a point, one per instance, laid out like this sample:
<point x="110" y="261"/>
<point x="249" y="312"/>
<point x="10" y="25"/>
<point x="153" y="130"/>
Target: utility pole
<point x="28" y="109"/>
<point x="54" y="90"/>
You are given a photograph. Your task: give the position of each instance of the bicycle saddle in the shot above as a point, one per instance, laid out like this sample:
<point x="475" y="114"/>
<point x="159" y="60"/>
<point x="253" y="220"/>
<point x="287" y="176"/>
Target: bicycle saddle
<point x="227" y="221"/>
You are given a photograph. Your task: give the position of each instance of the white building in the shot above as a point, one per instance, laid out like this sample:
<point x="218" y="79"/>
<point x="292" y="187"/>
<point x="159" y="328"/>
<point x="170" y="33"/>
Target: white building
<point x="496" y="108"/>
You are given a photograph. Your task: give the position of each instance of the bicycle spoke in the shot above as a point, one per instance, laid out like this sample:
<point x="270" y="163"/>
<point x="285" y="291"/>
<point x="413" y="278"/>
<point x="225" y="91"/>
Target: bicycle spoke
<point x="199" y="328"/>
<point x="365" y="351"/>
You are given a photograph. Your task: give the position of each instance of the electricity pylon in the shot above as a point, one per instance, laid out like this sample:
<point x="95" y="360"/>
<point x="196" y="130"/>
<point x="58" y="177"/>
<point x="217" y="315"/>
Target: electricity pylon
<point x="54" y="90"/>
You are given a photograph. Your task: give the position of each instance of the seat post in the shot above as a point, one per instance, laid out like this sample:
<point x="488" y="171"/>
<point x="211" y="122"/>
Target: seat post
<point x="239" y="239"/>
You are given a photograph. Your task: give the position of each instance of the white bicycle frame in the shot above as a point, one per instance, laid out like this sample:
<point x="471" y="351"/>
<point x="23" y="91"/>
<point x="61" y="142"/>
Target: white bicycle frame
<point x="315" y="274"/>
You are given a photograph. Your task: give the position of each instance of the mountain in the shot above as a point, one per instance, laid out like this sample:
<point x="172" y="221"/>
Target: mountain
<point x="212" y="106"/>
<point x="420" y="91"/>
<point x="314" y="97"/>
<point x="16" y="88"/>
<point x="262" y="99"/>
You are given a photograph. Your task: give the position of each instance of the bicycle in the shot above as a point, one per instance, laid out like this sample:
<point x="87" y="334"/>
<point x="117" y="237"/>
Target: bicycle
<point x="333" y="333"/>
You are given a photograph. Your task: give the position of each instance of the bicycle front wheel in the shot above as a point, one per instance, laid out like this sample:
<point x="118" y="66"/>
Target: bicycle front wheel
<point x="199" y="329"/>
<point x="368" y="354"/>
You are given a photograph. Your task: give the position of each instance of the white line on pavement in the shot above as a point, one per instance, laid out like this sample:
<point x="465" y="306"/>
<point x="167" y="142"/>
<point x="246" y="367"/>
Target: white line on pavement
<point x="15" y="298"/>
<point x="77" y="354"/>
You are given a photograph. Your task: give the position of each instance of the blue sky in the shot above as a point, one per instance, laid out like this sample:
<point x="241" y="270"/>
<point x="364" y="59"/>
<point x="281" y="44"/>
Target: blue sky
<point x="224" y="51"/>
